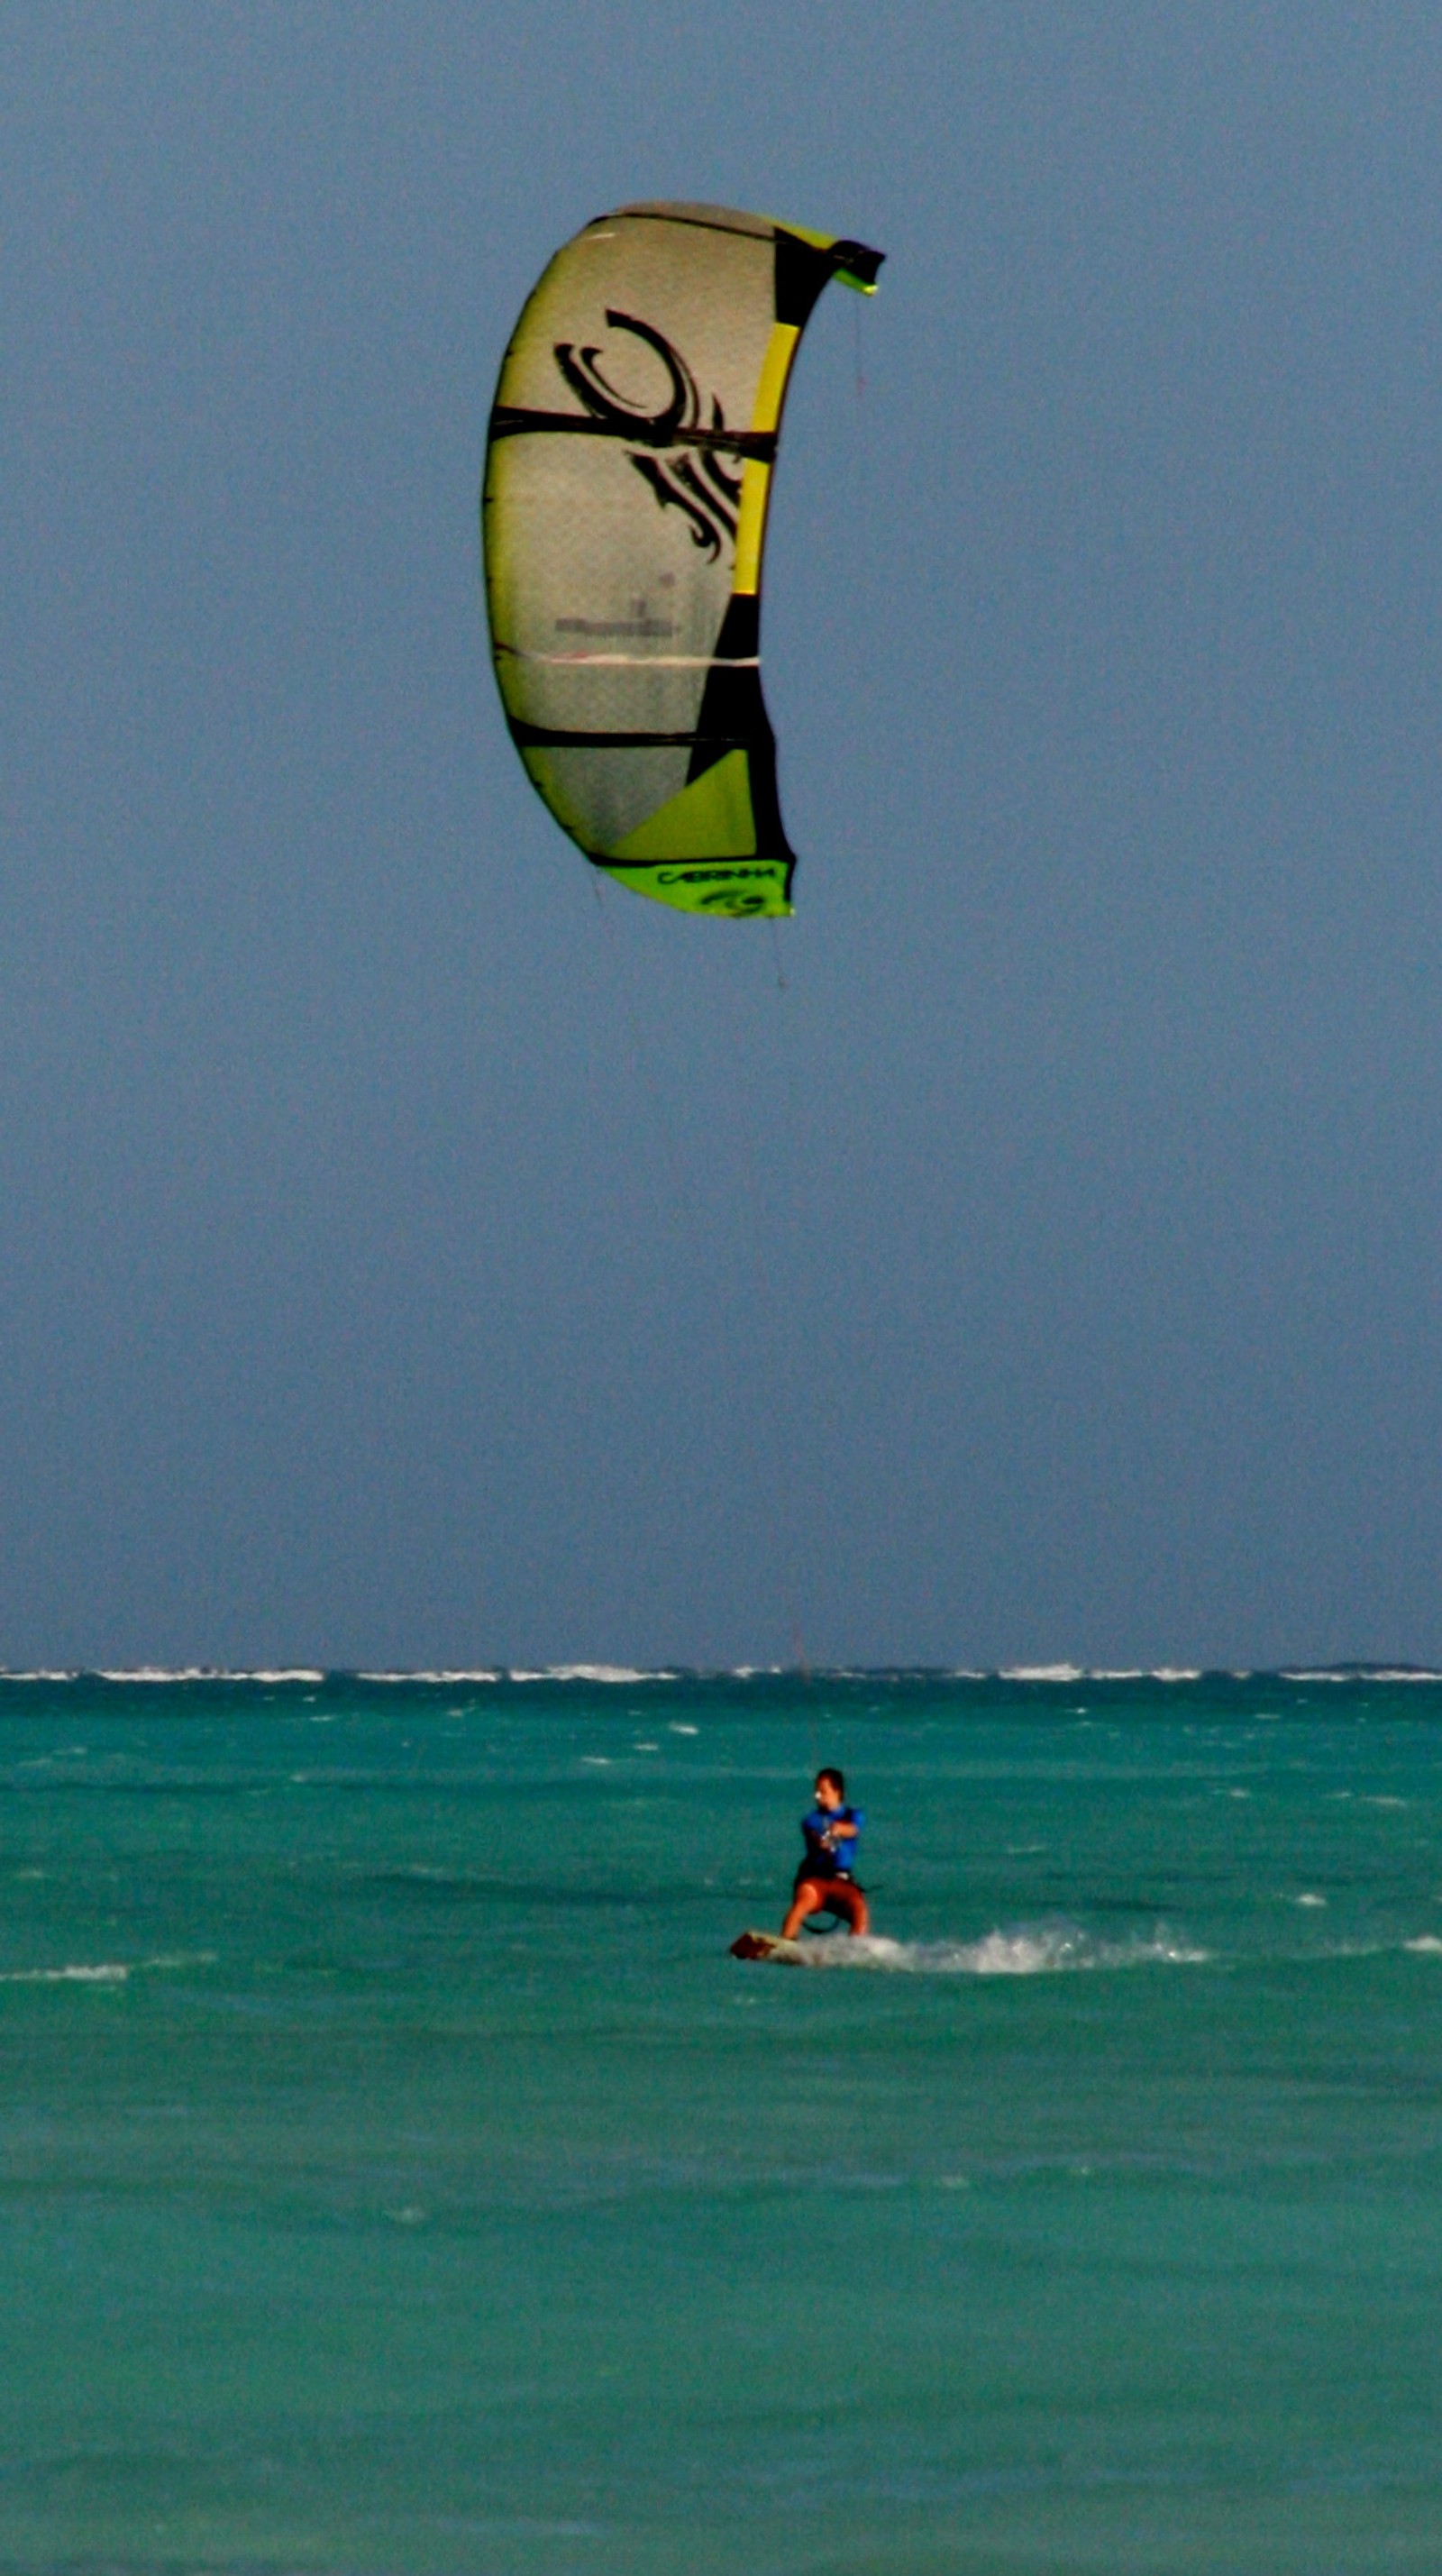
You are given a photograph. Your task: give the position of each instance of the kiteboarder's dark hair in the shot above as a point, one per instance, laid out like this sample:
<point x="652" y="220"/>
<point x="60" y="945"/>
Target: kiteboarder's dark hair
<point x="836" y="1778"/>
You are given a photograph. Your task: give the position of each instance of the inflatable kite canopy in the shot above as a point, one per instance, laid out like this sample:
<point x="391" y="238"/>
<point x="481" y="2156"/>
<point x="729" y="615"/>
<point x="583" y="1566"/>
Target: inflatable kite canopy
<point x="628" y="470"/>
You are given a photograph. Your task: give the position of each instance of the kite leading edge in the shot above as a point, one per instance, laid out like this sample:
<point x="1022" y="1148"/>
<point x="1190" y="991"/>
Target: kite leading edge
<point x="628" y="471"/>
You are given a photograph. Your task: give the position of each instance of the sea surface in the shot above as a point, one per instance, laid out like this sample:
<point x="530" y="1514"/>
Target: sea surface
<point x="397" y="2175"/>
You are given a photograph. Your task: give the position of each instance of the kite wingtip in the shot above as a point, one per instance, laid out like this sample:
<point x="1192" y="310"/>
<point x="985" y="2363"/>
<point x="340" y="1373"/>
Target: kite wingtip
<point x="857" y="266"/>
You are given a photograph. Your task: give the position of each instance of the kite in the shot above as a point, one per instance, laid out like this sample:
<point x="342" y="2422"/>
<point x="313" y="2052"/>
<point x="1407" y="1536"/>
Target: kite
<point x="628" y="472"/>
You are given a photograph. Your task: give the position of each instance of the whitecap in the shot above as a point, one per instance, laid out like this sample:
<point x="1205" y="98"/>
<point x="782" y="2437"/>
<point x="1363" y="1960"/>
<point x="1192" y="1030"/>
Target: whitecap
<point x="1425" y="1941"/>
<point x="1309" y="1899"/>
<point x="678" y="1726"/>
<point x="1040" y="1673"/>
<point x="109" y="1973"/>
<point x="6" y="1676"/>
<point x="158" y="1673"/>
<point x="206" y="1673"/>
<point x="1365" y="1673"/>
<point x="590" y="1673"/>
<point x="451" y="1679"/>
<point x="289" y="1673"/>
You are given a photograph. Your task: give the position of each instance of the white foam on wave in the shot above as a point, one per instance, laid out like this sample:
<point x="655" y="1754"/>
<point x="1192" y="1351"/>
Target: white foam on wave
<point x="290" y="1673"/>
<point x="39" y="1677"/>
<point x="107" y="1972"/>
<point x="590" y="1673"/>
<point x="1096" y="1673"/>
<point x="1027" y="1950"/>
<point x="206" y="1673"/>
<point x="1426" y="1942"/>
<point x="156" y="1673"/>
<point x="110" y="1973"/>
<point x="1091" y="1673"/>
<point x="1364" y="1673"/>
<point x="451" y="1679"/>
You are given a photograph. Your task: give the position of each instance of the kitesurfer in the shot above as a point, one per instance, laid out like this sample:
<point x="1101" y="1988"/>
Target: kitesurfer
<point x="825" y="1881"/>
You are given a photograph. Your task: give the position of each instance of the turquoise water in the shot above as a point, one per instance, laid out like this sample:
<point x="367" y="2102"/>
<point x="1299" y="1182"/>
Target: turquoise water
<point x="399" y="2176"/>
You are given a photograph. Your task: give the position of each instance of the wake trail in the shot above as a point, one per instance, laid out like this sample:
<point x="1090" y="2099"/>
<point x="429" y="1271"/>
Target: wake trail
<point x="1027" y="1950"/>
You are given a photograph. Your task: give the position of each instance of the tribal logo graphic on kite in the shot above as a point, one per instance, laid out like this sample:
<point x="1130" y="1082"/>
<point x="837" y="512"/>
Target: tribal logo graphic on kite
<point x="698" y="484"/>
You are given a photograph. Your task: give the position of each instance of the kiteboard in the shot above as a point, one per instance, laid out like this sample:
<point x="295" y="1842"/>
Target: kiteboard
<point x="769" y="1946"/>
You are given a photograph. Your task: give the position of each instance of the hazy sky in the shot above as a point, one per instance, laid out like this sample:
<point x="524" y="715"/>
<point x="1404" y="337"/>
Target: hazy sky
<point x="408" y="1256"/>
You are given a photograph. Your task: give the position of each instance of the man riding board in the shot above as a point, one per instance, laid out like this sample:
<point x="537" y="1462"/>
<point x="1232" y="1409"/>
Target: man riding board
<point x="825" y="1882"/>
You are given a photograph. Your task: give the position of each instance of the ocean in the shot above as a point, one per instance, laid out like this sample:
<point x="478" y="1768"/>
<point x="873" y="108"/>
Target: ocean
<point x="400" y="2177"/>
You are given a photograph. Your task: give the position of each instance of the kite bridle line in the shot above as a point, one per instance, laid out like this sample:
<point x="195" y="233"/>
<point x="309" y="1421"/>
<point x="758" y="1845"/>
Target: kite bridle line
<point x="780" y="1483"/>
<point x="768" y="1474"/>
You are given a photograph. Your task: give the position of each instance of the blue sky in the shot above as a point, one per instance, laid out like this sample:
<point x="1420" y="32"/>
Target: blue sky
<point x="410" y="1258"/>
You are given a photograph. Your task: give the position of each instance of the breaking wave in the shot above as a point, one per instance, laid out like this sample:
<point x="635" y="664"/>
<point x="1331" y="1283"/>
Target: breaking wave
<point x="1364" y="1673"/>
<point x="490" y="1676"/>
<point x="202" y="1673"/>
<point x="109" y="1973"/>
<point x="590" y="1673"/>
<point x="106" y="1972"/>
<point x="1088" y="1673"/>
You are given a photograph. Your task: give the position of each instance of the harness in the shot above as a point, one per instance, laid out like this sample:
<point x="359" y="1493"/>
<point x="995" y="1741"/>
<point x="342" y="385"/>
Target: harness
<point x="825" y="1869"/>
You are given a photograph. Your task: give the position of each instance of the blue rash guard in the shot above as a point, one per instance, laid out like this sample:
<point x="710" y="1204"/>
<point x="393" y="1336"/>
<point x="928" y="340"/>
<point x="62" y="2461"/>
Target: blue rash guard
<point x="819" y="1862"/>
